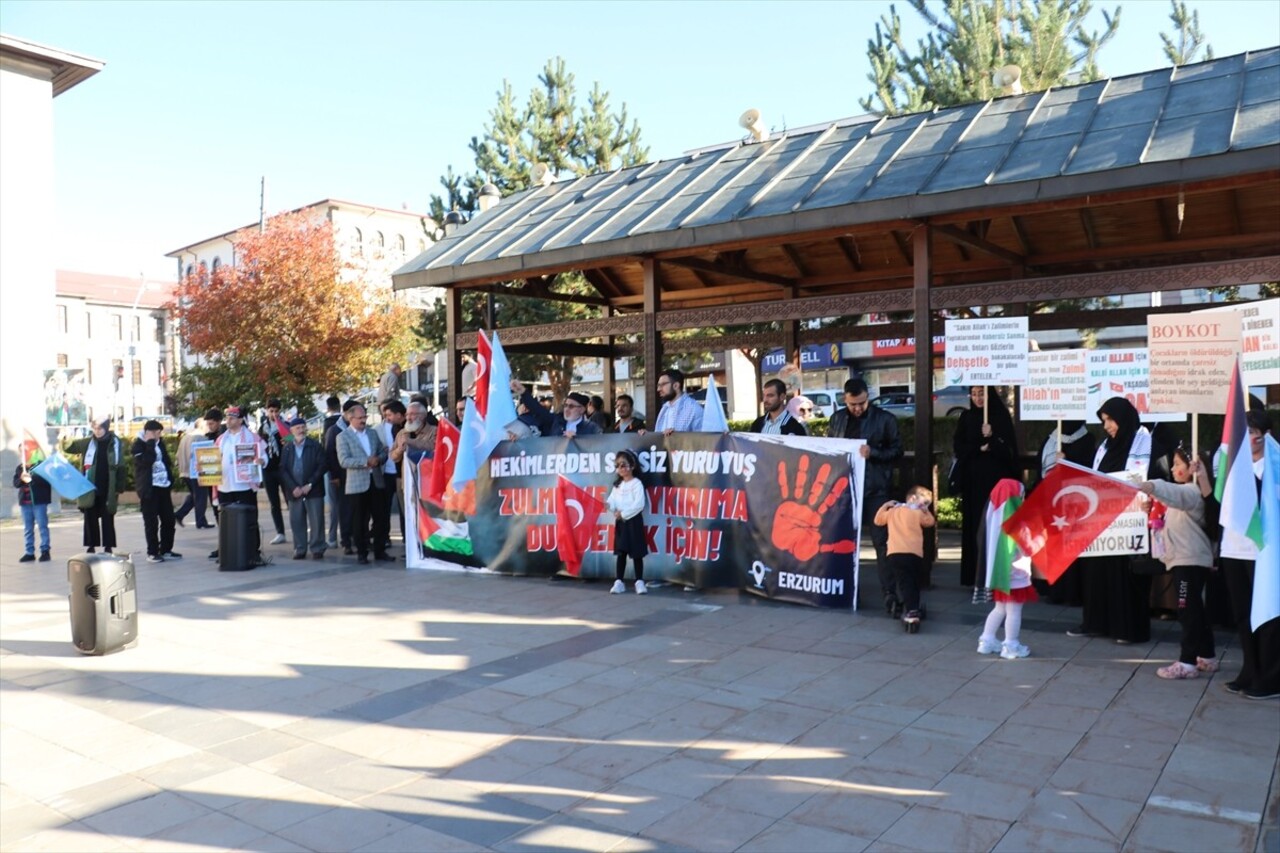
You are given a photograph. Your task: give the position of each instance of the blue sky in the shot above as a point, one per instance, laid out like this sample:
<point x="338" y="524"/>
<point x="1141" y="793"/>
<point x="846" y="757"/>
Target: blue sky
<point x="370" y="101"/>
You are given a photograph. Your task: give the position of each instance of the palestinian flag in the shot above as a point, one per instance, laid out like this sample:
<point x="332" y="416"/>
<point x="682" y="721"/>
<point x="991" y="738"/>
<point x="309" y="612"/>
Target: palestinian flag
<point x="1236" y="488"/>
<point x="999" y="548"/>
<point x="32" y="452"/>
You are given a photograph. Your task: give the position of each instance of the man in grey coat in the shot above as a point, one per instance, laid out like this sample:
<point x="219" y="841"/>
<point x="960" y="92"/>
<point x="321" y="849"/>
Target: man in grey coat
<point x="362" y="454"/>
<point x="302" y="474"/>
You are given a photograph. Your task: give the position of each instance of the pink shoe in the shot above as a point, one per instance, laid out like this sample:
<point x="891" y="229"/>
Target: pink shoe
<point x="1207" y="665"/>
<point x="1178" y="669"/>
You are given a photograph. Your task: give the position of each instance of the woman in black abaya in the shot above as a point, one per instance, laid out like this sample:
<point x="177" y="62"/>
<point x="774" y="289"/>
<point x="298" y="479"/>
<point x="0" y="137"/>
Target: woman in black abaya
<point x="985" y="454"/>
<point x="1116" y="599"/>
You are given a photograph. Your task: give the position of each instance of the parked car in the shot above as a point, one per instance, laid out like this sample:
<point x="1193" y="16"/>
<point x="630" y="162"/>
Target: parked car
<point x="951" y="401"/>
<point x="825" y="400"/>
<point x="899" y="405"/>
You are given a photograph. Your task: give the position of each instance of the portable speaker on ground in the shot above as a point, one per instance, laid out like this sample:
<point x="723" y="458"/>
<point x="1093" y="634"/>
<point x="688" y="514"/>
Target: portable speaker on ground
<point x="237" y="538"/>
<point x="104" y="602"/>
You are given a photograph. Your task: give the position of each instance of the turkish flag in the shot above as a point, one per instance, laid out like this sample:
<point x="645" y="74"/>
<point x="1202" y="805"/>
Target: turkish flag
<point x="484" y="358"/>
<point x="577" y="512"/>
<point x="1065" y="513"/>
<point x="445" y="455"/>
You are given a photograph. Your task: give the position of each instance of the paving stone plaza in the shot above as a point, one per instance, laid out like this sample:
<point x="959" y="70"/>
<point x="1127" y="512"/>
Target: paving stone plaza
<point x="329" y="706"/>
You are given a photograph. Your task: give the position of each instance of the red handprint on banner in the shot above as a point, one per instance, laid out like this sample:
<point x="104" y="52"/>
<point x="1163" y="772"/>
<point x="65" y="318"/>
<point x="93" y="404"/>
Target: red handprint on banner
<point x="797" y="522"/>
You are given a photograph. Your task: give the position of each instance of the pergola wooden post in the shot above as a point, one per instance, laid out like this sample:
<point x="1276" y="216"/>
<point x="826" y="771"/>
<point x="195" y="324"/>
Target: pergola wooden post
<point x="922" y="265"/>
<point x="652" y="343"/>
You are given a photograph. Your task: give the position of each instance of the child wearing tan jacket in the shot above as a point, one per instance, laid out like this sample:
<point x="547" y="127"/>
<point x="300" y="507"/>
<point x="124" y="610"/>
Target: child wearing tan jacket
<point x="906" y="523"/>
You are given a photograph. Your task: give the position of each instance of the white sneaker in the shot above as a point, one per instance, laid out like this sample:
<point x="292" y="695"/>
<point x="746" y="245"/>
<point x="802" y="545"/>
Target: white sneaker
<point x="279" y="540"/>
<point x="988" y="646"/>
<point x="641" y="589"/>
<point x="1013" y="651"/>
<point x="618" y="588"/>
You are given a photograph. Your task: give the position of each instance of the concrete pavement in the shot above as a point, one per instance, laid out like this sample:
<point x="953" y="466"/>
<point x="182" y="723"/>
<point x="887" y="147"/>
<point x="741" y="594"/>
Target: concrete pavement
<point x="329" y="706"/>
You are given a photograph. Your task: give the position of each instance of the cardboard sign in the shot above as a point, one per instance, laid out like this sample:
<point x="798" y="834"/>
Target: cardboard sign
<point x="1057" y="386"/>
<point x="1259" y="340"/>
<point x="987" y="351"/>
<point x="1192" y="357"/>
<point x="1123" y="373"/>
<point x="208" y="466"/>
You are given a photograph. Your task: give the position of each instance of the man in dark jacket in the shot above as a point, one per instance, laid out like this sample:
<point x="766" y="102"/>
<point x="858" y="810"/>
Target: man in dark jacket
<point x="339" y="506"/>
<point x="303" y="472"/>
<point x="153" y="478"/>
<point x="271" y="429"/>
<point x="776" y="420"/>
<point x="859" y="419"/>
<point x="571" y="422"/>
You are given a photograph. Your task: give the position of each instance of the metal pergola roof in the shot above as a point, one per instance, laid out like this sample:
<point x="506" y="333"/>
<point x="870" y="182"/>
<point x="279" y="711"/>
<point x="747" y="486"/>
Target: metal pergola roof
<point x="1164" y="180"/>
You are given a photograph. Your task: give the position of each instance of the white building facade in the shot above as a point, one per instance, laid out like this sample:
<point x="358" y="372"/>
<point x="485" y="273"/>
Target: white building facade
<point x="113" y="350"/>
<point x="375" y="241"/>
<point x="31" y="76"/>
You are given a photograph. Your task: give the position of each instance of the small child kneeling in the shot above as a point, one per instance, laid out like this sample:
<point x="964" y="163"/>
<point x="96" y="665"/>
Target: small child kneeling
<point x="906" y="523"/>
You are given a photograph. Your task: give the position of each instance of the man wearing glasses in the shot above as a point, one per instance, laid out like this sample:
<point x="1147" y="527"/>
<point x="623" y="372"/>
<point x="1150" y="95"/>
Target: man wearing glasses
<point x="883" y="448"/>
<point x="680" y="412"/>
<point x="777" y="419"/>
<point x="572" y="420"/>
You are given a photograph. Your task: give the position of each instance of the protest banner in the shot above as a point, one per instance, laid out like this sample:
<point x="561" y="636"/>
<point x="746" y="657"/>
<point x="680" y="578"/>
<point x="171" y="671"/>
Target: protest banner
<point x="1191" y="359"/>
<point x="1259" y="339"/>
<point x="1122" y="373"/>
<point x="776" y="518"/>
<point x="1057" y="386"/>
<point x="986" y="351"/>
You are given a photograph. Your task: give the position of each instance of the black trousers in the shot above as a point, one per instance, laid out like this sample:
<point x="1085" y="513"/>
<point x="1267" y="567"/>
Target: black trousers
<point x="1260" y="649"/>
<point x="157" y="520"/>
<point x="907" y="569"/>
<point x="390" y="494"/>
<point x="274" y="488"/>
<point x="1197" y="635"/>
<point x="342" y="512"/>
<point x="99" y="526"/>
<point x="369" y="523"/>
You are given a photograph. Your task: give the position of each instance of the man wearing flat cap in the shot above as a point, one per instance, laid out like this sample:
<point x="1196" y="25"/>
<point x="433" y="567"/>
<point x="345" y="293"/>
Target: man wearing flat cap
<point x="302" y="473"/>
<point x="572" y="420"/>
<point x="153" y="479"/>
<point x="243" y="454"/>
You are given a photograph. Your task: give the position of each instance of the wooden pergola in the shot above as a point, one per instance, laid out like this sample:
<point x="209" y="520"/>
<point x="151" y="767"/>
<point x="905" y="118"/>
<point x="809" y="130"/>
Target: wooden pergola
<point x="1163" y="181"/>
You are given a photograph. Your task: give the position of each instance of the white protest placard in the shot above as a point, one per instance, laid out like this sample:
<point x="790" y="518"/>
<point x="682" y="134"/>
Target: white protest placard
<point x="987" y="351"/>
<point x="1122" y="373"/>
<point x="1192" y="357"/>
<point x="1057" y="386"/>
<point x="1259" y="340"/>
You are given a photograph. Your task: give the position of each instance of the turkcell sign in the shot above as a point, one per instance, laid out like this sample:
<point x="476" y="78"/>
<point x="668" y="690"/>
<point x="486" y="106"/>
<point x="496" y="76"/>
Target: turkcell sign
<point x="812" y="356"/>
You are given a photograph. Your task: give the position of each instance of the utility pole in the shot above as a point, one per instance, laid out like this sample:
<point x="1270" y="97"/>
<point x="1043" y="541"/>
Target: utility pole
<point x="262" y="206"/>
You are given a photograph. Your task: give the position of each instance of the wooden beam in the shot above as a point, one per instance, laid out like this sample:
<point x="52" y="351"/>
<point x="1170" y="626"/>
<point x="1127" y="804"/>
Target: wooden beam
<point x="528" y="292"/>
<point x="605" y="351"/>
<point x="452" y="326"/>
<point x="1090" y="231"/>
<point x="652" y="338"/>
<point x="793" y="257"/>
<point x="1270" y="242"/>
<point x="1021" y="232"/>
<point x="922" y="247"/>
<point x="962" y="237"/>
<point x="904" y="247"/>
<point x="731" y="271"/>
<point x="849" y="247"/>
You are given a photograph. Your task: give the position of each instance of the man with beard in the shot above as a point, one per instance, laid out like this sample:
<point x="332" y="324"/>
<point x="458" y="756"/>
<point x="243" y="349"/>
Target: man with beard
<point x="362" y="453"/>
<point x="303" y="474"/>
<point x="393" y="417"/>
<point x="776" y="420"/>
<point x="680" y="412"/>
<point x="883" y="448"/>
<point x="627" y="421"/>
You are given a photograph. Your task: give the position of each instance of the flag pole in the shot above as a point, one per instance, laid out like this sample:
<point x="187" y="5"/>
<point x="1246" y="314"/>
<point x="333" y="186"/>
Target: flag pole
<point x="1059" y="435"/>
<point x="1195" y="435"/>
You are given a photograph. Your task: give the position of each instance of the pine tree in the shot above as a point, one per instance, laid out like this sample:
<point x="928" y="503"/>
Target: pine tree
<point x="953" y="65"/>
<point x="1182" y="50"/>
<point x="572" y="141"/>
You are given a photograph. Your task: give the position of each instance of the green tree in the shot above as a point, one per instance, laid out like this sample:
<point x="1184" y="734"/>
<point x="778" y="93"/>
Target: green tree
<point x="953" y="65"/>
<point x="1182" y="47"/>
<point x="550" y="128"/>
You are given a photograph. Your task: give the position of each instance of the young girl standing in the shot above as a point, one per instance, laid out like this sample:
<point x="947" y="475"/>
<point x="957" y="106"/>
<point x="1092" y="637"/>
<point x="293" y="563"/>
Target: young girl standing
<point x="627" y="503"/>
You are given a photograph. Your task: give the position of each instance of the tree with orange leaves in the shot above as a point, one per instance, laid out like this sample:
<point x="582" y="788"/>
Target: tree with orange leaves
<point x="289" y="319"/>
